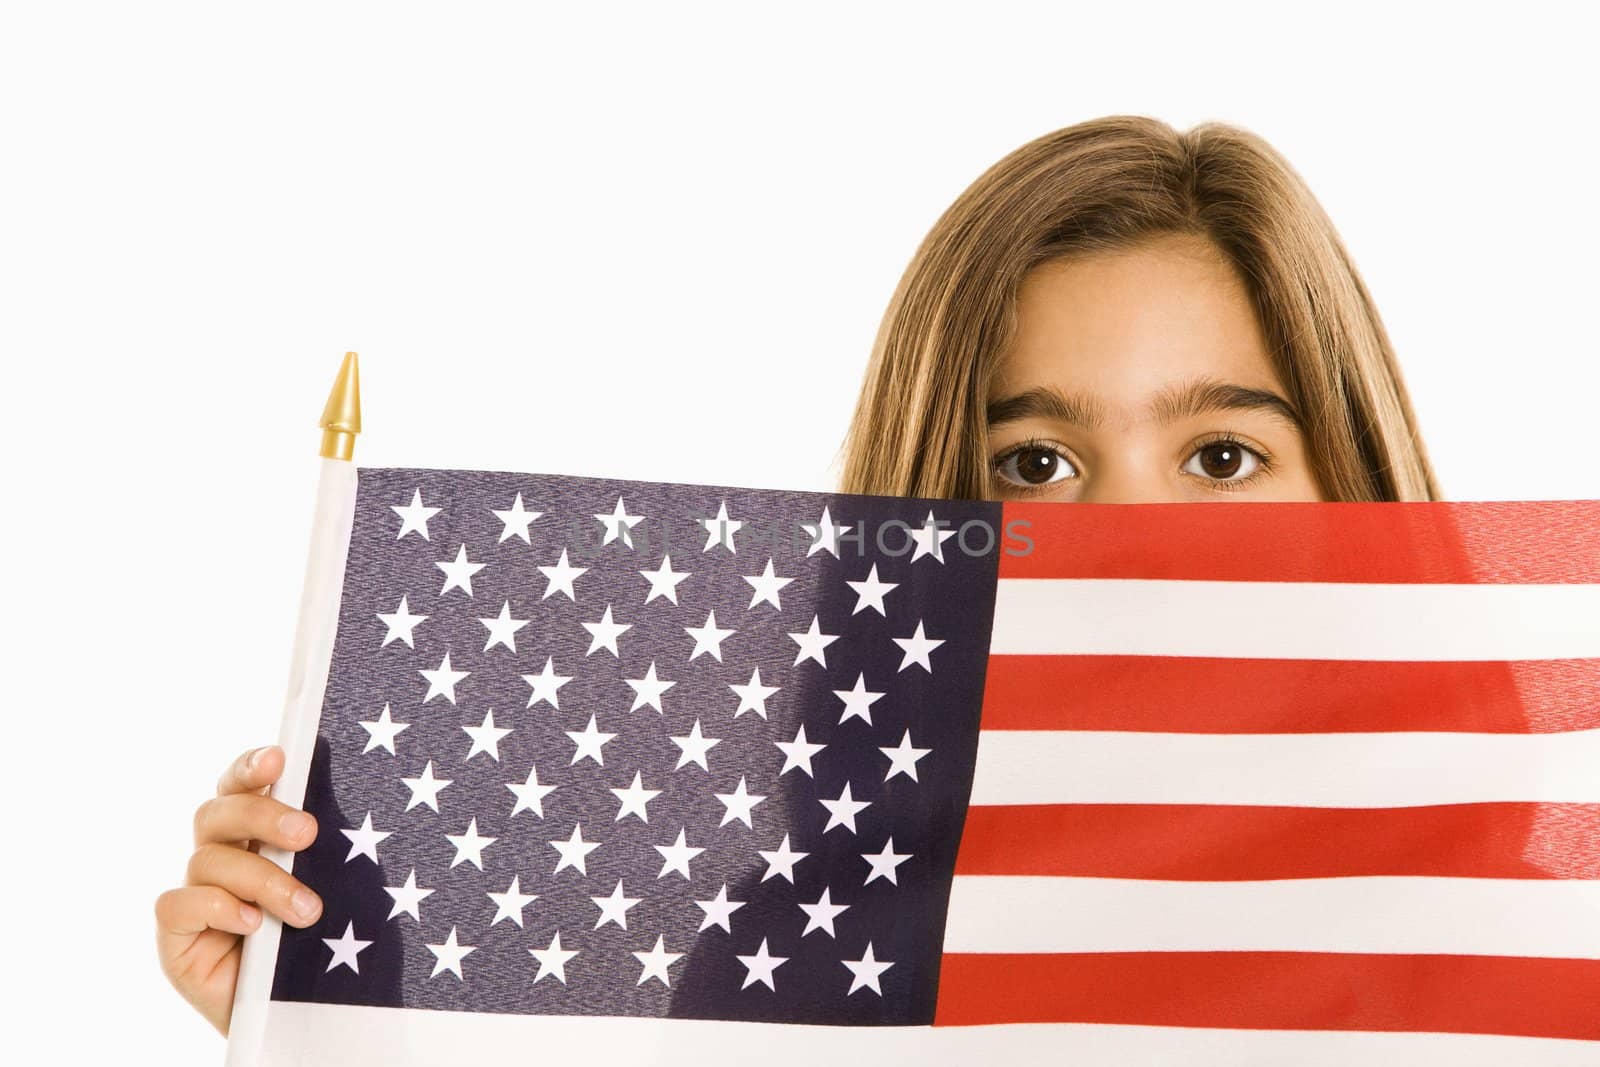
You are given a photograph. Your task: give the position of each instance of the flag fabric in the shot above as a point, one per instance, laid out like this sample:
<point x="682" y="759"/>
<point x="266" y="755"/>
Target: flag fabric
<point x="669" y="773"/>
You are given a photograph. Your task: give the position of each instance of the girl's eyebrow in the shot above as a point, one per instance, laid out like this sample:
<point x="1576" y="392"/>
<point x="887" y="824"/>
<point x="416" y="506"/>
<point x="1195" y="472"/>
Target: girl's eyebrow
<point x="1171" y="404"/>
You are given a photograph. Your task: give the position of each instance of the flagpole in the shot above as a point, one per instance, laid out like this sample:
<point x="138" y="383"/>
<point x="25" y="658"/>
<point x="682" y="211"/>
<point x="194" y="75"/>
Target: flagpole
<point x="308" y="676"/>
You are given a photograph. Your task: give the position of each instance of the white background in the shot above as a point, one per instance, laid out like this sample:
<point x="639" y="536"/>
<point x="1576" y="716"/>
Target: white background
<point x="649" y="242"/>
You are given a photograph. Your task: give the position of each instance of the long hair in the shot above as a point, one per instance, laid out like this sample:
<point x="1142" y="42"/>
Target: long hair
<point x="920" y="428"/>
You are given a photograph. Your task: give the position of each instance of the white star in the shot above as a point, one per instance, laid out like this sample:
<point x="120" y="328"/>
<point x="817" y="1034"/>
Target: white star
<point x="694" y="747"/>
<point x="866" y="971"/>
<point x="516" y="521"/>
<point x="442" y="680"/>
<point x="820" y="916"/>
<point x="413" y="516"/>
<point x="870" y="593"/>
<point x="589" y="741"/>
<point x="842" y="812"/>
<point x="903" y="758"/>
<point x="753" y="695"/>
<point x="916" y="648"/>
<point x="634" y="798"/>
<point x="738" y="804"/>
<point x="469" y="846"/>
<point x="401" y="623"/>
<point x="553" y="960"/>
<point x="766" y="586"/>
<point x="797" y="753"/>
<point x="676" y="856"/>
<point x="648" y="690"/>
<point x="825" y="535"/>
<point x="425" y="788"/>
<point x="858" y="701"/>
<point x="503" y="628"/>
<point x="364" y="840"/>
<point x="509" y="905"/>
<point x="381" y="734"/>
<point x="928" y="538"/>
<point x="719" y="910"/>
<point x="574" y="850"/>
<point x="448" y="956"/>
<point x="656" y="962"/>
<point x="546" y="684"/>
<point x="530" y="794"/>
<point x="708" y="638"/>
<point x="619" y="524"/>
<point x="559" y="578"/>
<point x="663" y="581"/>
<point x="720" y="529"/>
<point x="614" y="908"/>
<point x="782" y="861"/>
<point x="486" y="737"/>
<point x="812" y="643"/>
<point x="346" y="948"/>
<point x="408" y="897"/>
<point x="604" y="634"/>
<point x="759" y="968"/>
<point x="458" y="572"/>
<point x="884" y="863"/>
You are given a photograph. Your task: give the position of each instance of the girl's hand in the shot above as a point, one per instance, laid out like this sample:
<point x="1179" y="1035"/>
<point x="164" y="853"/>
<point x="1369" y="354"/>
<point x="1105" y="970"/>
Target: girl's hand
<point x="200" y="928"/>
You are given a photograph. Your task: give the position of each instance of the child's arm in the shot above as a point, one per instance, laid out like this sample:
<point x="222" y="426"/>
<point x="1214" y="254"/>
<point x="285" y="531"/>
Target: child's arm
<point x="200" y="927"/>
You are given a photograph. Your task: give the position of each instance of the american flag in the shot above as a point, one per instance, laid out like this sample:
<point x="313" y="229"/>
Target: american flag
<point x="616" y="768"/>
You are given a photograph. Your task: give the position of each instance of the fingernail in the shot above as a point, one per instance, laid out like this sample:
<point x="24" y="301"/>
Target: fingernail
<point x="294" y="825"/>
<point x="304" y="903"/>
<point x="251" y="916"/>
<point x="255" y="758"/>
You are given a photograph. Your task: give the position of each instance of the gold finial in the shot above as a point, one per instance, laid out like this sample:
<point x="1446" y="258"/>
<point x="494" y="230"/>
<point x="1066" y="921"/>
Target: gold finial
<point x="341" y="419"/>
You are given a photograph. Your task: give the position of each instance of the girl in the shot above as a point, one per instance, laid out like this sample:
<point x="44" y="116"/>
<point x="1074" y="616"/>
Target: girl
<point x="1116" y="312"/>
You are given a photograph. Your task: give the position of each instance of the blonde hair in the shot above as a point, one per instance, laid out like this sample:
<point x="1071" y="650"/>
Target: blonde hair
<point x="920" y="427"/>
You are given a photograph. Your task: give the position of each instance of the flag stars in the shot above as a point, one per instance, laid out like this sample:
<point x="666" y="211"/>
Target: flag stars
<point x="345" y="949"/>
<point x="781" y="861"/>
<point x="647" y="690"/>
<point x="709" y="637"/>
<point x="516" y="520"/>
<point x="589" y="741"/>
<point x="546" y="684"/>
<point x="820" y="916"/>
<point x="503" y="628"/>
<point x="442" y="680"/>
<point x="407" y="898"/>
<point x="663" y="581"/>
<point x="843" y="811"/>
<point x="903" y="758"/>
<point x="574" y="851"/>
<point x="559" y="578"/>
<point x="929" y="538"/>
<point x="656" y="961"/>
<point x="486" y="737"/>
<point x="509" y="905"/>
<point x="364" y="840"/>
<point x="530" y="794"/>
<point x="720" y="529"/>
<point x="458" y="572"/>
<point x="719" y="910"/>
<point x="797" y="753"/>
<point x="633" y="799"/>
<point x="826" y="535"/>
<point x="676" y="856"/>
<point x="916" y="649"/>
<point x="448" y="956"/>
<point x="738" y="804"/>
<point x="766" y="586"/>
<point x="414" y="516"/>
<point x="884" y="863"/>
<point x="752" y="695"/>
<point x="425" y="788"/>
<point x="614" y="908"/>
<point x="858" y="701"/>
<point x="693" y="748"/>
<point x="469" y="846"/>
<point x="812" y="643"/>
<point x="619" y="524"/>
<point x="759" y="968"/>
<point x="553" y="960"/>
<point x="870" y="592"/>
<point x="604" y="634"/>
<point x="382" y="732"/>
<point x="866" y="972"/>
<point x="401" y="624"/>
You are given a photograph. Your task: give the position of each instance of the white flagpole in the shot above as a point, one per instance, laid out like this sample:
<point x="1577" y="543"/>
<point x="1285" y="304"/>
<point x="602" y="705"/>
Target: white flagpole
<point x="308" y="679"/>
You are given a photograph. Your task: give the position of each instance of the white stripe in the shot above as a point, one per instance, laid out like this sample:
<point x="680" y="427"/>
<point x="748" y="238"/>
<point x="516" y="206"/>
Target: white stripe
<point x="1354" y="770"/>
<point x="1475" y="916"/>
<point x="1295" y="620"/>
<point x="319" y="1035"/>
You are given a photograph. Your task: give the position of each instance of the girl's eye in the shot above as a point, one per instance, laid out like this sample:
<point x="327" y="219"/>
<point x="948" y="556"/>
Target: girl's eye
<point x="1033" y="465"/>
<point x="1223" y="461"/>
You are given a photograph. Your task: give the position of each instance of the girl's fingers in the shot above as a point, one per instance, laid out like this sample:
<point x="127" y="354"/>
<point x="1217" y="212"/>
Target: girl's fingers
<point x="253" y="817"/>
<point x="251" y="878"/>
<point x="183" y="913"/>
<point x="252" y="771"/>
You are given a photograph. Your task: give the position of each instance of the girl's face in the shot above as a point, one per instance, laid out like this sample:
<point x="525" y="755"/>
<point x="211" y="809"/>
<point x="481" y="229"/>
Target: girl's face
<point x="1141" y="376"/>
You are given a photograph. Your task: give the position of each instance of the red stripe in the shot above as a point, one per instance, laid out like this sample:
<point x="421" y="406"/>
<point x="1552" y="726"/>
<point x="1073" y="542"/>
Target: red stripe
<point x="1277" y="990"/>
<point x="1540" y="541"/>
<point x="1224" y="842"/>
<point x="1205" y="695"/>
